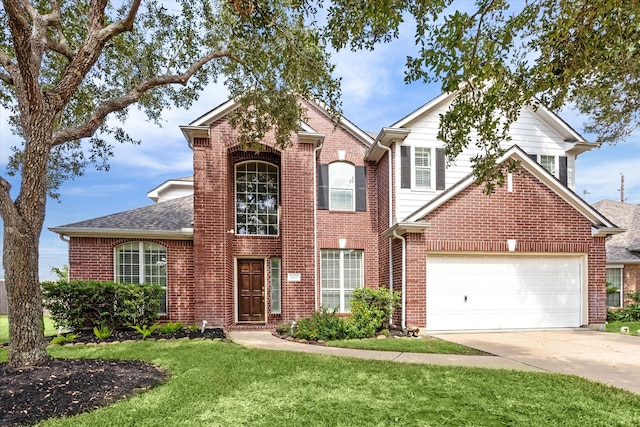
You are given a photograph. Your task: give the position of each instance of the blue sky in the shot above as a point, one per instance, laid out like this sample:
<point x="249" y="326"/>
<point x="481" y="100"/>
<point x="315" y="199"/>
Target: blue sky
<point x="374" y="96"/>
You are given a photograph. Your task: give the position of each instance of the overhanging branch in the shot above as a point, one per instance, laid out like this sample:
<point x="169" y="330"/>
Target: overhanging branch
<point x="107" y="107"/>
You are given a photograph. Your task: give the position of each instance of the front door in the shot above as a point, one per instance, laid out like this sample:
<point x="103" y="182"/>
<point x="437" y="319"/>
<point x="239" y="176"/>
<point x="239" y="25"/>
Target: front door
<point x="250" y="290"/>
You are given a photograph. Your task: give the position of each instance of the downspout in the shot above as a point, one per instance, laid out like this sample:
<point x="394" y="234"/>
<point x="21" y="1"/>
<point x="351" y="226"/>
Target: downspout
<point x="404" y="281"/>
<point x="390" y="190"/>
<point x="315" y="224"/>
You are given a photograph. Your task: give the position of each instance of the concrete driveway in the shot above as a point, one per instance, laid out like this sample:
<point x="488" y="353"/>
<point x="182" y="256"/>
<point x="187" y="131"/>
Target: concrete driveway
<point x="608" y="358"/>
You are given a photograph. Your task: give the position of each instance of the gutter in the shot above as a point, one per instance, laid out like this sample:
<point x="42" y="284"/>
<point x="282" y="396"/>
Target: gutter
<point x="403" y="321"/>
<point x="390" y="191"/>
<point x="316" y="289"/>
<point x="183" y="234"/>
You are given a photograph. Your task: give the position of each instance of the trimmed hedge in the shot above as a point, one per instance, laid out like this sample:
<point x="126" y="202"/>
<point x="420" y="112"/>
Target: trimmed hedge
<point x="82" y="304"/>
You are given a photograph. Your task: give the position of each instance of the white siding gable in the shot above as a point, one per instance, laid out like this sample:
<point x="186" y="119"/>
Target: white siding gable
<point x="532" y="134"/>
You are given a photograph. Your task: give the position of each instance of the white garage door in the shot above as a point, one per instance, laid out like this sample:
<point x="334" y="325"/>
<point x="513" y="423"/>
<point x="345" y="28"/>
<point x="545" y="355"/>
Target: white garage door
<point x="503" y="292"/>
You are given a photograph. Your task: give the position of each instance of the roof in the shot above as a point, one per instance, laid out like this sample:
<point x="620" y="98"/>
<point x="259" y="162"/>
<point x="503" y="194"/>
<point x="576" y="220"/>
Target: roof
<point x="199" y="128"/>
<point x="172" y="219"/>
<point x="601" y="224"/>
<point x="186" y="181"/>
<point x="624" y="247"/>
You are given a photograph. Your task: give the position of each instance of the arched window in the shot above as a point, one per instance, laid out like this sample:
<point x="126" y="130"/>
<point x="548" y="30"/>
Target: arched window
<point x="257" y="199"/>
<point x="142" y="262"/>
<point x="342" y="181"/>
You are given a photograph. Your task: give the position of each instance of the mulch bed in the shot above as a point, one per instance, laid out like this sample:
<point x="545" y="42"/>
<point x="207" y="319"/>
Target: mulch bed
<point x="64" y="387"/>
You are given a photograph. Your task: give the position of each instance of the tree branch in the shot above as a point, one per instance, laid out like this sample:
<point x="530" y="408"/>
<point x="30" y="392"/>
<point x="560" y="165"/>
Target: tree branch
<point x="6" y="204"/>
<point x="90" y="51"/>
<point x="117" y="104"/>
<point x="8" y="65"/>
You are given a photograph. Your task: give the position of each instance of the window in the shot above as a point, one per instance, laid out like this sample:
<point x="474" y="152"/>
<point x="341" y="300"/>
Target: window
<point x="422" y="168"/>
<point x="276" y="290"/>
<point x="257" y="199"/>
<point x="614" y="281"/>
<point x="341" y="271"/>
<point x="422" y="165"/>
<point x="342" y="180"/>
<point x="142" y="262"/>
<point x="549" y="163"/>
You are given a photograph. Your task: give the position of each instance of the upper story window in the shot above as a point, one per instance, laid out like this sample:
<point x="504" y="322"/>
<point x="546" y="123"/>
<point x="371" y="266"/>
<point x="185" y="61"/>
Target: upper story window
<point x="257" y="199"/>
<point x="422" y="168"/>
<point x="549" y="163"/>
<point x="555" y="165"/>
<point x="142" y="262"/>
<point x="342" y="186"/>
<point x="342" y="181"/>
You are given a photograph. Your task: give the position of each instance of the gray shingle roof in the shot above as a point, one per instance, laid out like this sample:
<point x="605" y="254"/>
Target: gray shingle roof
<point x="172" y="216"/>
<point x="624" y="246"/>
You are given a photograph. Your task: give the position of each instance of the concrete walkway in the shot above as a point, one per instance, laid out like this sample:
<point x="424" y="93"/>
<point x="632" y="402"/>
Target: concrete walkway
<point x="264" y="340"/>
<point x="607" y="358"/>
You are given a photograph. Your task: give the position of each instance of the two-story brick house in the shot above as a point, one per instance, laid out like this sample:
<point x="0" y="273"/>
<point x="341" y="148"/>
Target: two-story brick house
<point x="262" y="236"/>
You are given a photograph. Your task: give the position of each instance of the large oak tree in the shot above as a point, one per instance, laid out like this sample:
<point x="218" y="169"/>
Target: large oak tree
<point x="66" y="66"/>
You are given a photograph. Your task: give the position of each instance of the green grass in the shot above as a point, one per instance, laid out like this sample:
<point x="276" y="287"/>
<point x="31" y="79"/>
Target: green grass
<point x="407" y="345"/>
<point x="615" y="327"/>
<point x="220" y="384"/>
<point x="49" y="328"/>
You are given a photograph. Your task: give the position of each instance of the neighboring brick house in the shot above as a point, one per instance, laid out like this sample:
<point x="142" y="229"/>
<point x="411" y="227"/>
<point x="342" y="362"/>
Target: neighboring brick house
<point x="271" y="235"/>
<point x="623" y="251"/>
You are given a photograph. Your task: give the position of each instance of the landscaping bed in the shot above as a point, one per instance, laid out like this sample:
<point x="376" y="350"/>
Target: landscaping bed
<point x="64" y="387"/>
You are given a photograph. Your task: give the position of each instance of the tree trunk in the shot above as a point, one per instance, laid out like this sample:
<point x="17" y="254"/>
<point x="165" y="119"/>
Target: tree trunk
<point x="20" y="258"/>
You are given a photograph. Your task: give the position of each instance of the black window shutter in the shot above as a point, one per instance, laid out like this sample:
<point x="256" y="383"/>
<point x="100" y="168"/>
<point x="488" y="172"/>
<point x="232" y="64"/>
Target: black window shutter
<point x="562" y="174"/>
<point x="361" y="188"/>
<point x="533" y="157"/>
<point x="441" y="164"/>
<point x="405" y="166"/>
<point x="323" y="186"/>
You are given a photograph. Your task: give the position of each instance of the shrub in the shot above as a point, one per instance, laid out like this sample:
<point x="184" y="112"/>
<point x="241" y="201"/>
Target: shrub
<point x="171" y="327"/>
<point x="78" y="304"/>
<point x="145" y="330"/>
<point x="630" y="313"/>
<point x="102" y="333"/>
<point x="371" y="311"/>
<point x="321" y="325"/>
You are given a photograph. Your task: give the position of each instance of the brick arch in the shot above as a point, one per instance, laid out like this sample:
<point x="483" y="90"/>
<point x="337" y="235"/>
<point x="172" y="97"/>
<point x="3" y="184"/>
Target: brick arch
<point x="348" y="157"/>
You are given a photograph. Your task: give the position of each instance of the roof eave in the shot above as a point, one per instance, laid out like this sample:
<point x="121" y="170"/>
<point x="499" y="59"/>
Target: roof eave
<point x="607" y="231"/>
<point x="183" y="234"/>
<point x="191" y="132"/>
<point x="401" y="228"/>
<point x="386" y="137"/>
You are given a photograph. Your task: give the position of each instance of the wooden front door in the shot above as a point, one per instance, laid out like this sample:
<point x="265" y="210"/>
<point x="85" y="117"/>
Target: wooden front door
<point x="251" y="290"/>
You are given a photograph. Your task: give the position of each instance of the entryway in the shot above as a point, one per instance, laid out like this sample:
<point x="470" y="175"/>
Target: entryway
<point x="250" y="274"/>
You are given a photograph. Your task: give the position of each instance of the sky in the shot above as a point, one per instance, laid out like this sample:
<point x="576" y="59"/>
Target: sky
<point x="374" y="95"/>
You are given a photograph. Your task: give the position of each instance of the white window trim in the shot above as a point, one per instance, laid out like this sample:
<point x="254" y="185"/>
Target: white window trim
<point x="352" y="188"/>
<point x="556" y="163"/>
<point x="141" y="265"/>
<point x="621" y="290"/>
<point x="235" y="198"/>
<point x="414" y="175"/>
<point x="342" y="308"/>
<point x="272" y="289"/>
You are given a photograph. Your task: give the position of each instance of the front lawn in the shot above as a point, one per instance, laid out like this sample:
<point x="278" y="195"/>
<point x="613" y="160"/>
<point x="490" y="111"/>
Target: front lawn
<point x="407" y="345"/>
<point x="221" y="384"/>
<point x="615" y="327"/>
<point x="49" y="328"/>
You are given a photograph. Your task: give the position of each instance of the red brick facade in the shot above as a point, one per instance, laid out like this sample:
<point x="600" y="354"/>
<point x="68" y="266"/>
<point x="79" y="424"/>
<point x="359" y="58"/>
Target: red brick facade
<point x="472" y="222"/>
<point x="202" y="273"/>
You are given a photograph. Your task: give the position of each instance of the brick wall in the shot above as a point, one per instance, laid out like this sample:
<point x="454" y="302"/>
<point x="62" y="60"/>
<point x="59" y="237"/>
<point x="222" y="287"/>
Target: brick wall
<point x="532" y="214"/>
<point x="92" y="258"/>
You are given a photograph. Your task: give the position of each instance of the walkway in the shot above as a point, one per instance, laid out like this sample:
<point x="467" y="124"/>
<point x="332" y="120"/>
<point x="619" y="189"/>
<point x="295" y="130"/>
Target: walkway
<point x="607" y="358"/>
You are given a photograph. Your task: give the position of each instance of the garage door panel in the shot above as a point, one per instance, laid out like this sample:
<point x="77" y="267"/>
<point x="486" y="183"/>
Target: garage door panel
<point x="502" y="292"/>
